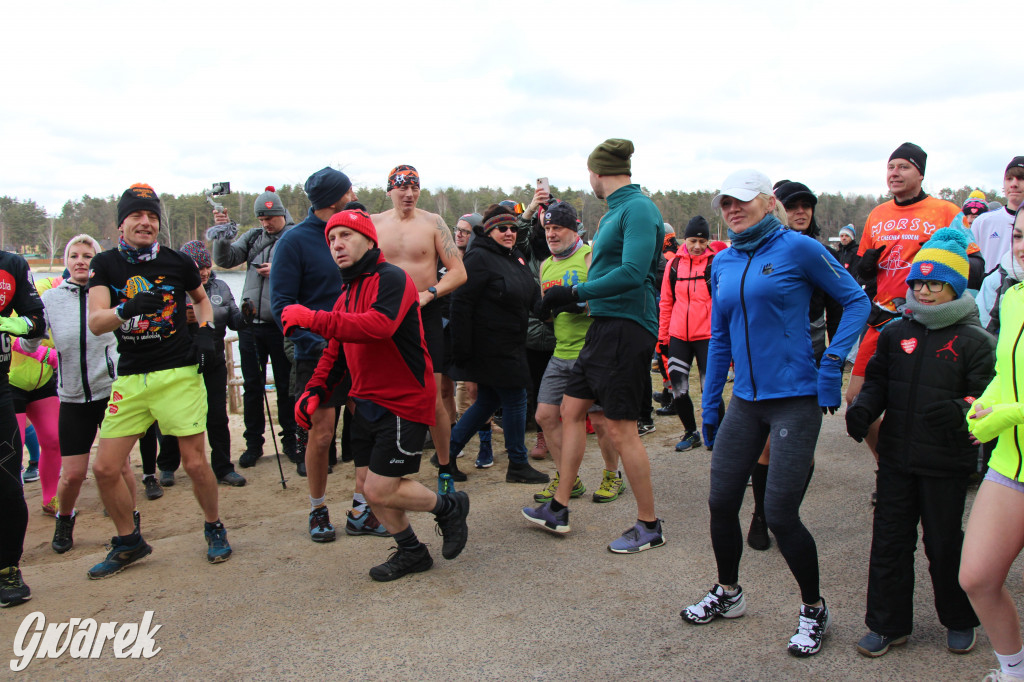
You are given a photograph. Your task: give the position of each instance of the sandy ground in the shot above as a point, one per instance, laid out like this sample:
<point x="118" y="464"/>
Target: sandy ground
<point x="518" y="603"/>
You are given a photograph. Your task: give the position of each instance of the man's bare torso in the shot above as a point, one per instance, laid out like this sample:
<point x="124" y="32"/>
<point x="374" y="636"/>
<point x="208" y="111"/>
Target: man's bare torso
<point x="411" y="243"/>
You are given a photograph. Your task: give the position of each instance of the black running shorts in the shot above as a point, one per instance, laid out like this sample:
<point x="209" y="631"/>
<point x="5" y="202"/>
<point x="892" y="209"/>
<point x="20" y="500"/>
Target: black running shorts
<point x="433" y="332"/>
<point x="394" y="445"/>
<point x="77" y="424"/>
<point x="614" y="368"/>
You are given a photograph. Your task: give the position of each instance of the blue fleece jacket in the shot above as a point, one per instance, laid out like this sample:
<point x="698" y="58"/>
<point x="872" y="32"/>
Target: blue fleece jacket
<point x="303" y="271"/>
<point x="621" y="281"/>
<point x="759" y="303"/>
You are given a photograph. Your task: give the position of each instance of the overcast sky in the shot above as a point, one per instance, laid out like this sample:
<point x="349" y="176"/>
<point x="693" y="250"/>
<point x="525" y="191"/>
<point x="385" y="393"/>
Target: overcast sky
<point x="97" y="96"/>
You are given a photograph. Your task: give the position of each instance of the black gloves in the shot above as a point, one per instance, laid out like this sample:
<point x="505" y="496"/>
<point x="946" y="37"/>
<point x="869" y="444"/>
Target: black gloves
<point x="142" y="303"/>
<point x="858" y="420"/>
<point x="206" y="348"/>
<point x="868" y="265"/>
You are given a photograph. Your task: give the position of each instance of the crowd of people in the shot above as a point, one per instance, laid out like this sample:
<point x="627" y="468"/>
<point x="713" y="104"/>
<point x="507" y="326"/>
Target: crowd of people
<point x="392" y="328"/>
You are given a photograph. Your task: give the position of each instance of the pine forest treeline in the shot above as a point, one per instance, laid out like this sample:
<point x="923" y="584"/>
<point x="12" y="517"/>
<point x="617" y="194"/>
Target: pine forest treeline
<point x="25" y="227"/>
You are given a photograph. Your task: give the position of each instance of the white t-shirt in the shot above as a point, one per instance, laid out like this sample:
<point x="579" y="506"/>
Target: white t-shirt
<point x="993" y="231"/>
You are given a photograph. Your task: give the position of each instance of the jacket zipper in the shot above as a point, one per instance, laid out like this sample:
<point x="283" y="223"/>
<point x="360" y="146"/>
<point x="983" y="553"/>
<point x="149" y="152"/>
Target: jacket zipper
<point x="913" y="396"/>
<point x="1016" y="431"/>
<point x="83" y="333"/>
<point x="746" y="325"/>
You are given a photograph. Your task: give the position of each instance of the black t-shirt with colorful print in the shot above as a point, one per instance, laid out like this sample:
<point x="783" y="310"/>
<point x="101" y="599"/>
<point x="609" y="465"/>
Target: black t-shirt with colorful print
<point x="150" y="343"/>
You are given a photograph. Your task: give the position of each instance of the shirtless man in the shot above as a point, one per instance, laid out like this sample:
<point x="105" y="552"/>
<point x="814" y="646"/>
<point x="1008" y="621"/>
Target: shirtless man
<point x="415" y="240"/>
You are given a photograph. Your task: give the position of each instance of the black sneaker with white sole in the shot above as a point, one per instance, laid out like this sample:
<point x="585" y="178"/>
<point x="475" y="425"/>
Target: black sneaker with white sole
<point x="811" y="630"/>
<point x="716" y="603"/>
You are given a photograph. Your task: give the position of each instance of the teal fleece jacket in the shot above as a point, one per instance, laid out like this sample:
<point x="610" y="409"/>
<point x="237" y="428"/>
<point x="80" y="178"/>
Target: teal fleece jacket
<point x="621" y="281"/>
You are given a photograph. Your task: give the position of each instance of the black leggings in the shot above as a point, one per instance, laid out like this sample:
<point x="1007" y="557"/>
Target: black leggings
<point x="13" y="510"/>
<point x="793" y="424"/>
<point x="680" y="360"/>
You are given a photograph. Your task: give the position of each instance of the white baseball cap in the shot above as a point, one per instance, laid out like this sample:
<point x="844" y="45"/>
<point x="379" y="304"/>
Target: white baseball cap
<point x="743" y="185"/>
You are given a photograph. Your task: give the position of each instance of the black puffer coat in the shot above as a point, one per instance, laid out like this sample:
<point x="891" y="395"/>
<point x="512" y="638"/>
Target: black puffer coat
<point x="489" y="316"/>
<point x="915" y="367"/>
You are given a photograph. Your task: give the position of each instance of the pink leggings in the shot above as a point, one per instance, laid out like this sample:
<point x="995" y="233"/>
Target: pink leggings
<point x="43" y="415"/>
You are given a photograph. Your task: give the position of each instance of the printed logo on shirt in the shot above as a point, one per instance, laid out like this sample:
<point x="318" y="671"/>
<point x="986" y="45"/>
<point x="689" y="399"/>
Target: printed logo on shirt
<point x="767" y="269"/>
<point x="894" y="260"/>
<point x="147" y="327"/>
<point x="995" y="235"/>
<point x="6" y="289"/>
<point x="878" y="230"/>
<point x="908" y="345"/>
<point x="115" y="396"/>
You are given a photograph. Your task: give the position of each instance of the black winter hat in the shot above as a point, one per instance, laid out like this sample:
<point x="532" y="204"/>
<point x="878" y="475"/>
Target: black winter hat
<point x="561" y="214"/>
<point x="697" y="227"/>
<point x="912" y="153"/>
<point x="138" y="197"/>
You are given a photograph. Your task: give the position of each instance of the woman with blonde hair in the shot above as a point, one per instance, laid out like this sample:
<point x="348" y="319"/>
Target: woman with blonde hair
<point x="84" y="376"/>
<point x="760" y="294"/>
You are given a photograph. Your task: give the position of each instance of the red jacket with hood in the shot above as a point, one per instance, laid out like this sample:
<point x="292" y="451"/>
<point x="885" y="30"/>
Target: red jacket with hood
<point x="685" y="309"/>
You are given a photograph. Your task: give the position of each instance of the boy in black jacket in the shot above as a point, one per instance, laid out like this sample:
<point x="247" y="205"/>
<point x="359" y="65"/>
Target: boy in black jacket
<point x="929" y="367"/>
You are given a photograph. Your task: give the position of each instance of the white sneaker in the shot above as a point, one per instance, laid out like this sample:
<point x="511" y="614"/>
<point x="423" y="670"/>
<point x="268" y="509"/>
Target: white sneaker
<point x="715" y="603"/>
<point x="813" y="626"/>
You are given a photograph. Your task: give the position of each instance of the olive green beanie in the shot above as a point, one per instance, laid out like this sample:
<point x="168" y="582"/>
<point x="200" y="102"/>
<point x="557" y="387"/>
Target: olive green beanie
<point x="611" y="157"/>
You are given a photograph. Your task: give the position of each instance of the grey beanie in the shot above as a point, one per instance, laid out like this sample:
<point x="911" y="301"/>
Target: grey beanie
<point x="268" y="203"/>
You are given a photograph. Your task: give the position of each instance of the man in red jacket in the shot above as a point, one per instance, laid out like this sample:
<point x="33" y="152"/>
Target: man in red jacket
<point x="376" y="332"/>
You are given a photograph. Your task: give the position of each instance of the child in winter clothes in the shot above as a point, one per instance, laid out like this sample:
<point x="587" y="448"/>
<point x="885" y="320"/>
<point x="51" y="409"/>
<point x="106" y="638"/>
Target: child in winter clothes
<point x="929" y="367"/>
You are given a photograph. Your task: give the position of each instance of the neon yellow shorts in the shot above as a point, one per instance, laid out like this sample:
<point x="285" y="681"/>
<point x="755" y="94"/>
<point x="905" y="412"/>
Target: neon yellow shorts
<point x="174" y="397"/>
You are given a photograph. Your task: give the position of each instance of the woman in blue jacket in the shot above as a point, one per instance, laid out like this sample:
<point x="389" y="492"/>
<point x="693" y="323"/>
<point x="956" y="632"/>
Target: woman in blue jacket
<point x="760" y="292"/>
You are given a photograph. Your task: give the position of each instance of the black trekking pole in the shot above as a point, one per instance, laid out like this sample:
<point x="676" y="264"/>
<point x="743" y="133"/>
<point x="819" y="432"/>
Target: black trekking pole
<point x="270" y="420"/>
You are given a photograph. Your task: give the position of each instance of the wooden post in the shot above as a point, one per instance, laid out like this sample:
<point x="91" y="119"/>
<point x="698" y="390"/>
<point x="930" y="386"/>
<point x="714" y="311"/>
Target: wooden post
<point x="234" y="383"/>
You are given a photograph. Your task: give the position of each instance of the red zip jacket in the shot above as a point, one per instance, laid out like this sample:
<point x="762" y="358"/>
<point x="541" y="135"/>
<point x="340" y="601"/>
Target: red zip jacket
<point x="685" y="313"/>
<point x="376" y="323"/>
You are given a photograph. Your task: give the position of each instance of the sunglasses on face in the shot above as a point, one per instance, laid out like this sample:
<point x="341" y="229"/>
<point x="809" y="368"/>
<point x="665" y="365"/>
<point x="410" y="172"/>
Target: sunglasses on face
<point x="505" y="228"/>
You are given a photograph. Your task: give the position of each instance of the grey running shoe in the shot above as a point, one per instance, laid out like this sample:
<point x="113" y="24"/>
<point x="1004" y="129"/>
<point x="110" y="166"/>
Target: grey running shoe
<point x="638" y="538"/>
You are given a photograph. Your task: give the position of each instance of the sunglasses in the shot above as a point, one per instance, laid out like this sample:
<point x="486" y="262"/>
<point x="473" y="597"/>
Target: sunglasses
<point x="505" y="228"/>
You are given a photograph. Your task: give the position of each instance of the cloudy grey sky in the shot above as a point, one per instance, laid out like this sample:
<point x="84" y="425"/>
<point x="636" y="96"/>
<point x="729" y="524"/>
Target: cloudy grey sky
<point x="100" y="95"/>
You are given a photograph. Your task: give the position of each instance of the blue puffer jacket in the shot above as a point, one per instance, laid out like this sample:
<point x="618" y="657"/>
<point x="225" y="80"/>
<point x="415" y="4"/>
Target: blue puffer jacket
<point x="759" y="317"/>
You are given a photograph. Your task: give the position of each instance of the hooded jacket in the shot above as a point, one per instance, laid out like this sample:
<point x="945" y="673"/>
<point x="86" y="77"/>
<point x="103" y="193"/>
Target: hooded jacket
<point x="490" y="315"/>
<point x="86" y="363"/>
<point x="254" y="248"/>
<point x="916" y="367"/>
<point x="686" y="308"/>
